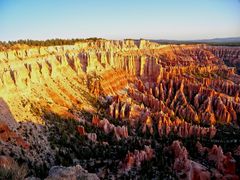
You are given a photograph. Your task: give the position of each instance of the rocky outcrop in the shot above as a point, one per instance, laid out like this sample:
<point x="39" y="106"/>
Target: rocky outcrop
<point x="134" y="159"/>
<point x="90" y="136"/>
<point x="27" y="144"/>
<point x="7" y="135"/>
<point x="73" y="172"/>
<point x="189" y="100"/>
<point x="119" y="110"/>
<point x="81" y="130"/>
<point x="225" y="164"/>
<point x="185" y="168"/>
<point x="231" y="56"/>
<point x="114" y="81"/>
<point x="183" y="129"/>
<point x="118" y="131"/>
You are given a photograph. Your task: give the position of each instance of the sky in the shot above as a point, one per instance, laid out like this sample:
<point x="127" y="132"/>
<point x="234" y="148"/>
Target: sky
<point x="119" y="19"/>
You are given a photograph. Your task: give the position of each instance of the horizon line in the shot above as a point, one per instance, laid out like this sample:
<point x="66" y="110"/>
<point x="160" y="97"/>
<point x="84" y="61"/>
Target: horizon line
<point x="116" y="39"/>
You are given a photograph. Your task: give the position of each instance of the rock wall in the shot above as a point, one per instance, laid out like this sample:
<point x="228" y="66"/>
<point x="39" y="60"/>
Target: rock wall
<point x="58" y="77"/>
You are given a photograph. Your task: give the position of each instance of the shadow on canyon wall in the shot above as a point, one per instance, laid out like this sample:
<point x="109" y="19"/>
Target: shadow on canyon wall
<point x="6" y="115"/>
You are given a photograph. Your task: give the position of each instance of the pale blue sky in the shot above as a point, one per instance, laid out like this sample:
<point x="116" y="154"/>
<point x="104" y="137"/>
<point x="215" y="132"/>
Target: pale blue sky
<point x="119" y="19"/>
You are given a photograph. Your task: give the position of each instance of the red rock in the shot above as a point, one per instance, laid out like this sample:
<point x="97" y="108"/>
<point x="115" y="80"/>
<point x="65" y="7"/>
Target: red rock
<point x="92" y="136"/>
<point x="230" y="164"/>
<point x="95" y="120"/>
<point x="183" y="166"/>
<point x="201" y="149"/>
<point x="212" y="131"/>
<point x="136" y="158"/>
<point x="7" y="134"/>
<point x="224" y="163"/>
<point x="119" y="132"/>
<point x="81" y="130"/>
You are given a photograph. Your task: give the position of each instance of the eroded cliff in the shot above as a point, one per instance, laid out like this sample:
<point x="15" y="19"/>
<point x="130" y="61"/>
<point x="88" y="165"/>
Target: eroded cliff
<point x="58" y="76"/>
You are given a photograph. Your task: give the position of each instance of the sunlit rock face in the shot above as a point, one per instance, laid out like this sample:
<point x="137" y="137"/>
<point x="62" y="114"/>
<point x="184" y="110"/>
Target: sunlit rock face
<point x="189" y="78"/>
<point x="119" y="93"/>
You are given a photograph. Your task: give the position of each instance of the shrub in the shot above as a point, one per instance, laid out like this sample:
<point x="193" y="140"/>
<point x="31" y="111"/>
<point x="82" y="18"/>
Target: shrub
<point x="14" y="172"/>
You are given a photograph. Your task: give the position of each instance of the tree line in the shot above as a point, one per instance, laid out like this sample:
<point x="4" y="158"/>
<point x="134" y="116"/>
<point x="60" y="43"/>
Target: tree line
<point x="48" y="42"/>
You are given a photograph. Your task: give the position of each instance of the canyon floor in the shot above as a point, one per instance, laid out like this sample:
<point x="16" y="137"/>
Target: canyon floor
<point x="132" y="109"/>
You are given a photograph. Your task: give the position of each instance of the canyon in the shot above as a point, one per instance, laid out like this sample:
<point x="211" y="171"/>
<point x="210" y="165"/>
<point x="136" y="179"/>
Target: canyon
<point x="120" y="107"/>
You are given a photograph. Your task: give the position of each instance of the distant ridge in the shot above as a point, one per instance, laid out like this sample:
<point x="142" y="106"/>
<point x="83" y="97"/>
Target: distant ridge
<point x="221" y="40"/>
<point x="228" y="41"/>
